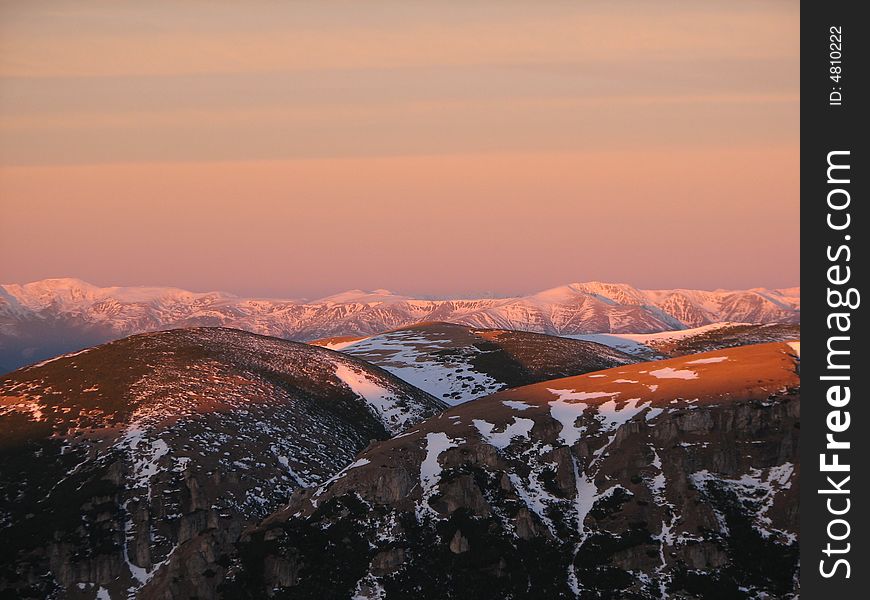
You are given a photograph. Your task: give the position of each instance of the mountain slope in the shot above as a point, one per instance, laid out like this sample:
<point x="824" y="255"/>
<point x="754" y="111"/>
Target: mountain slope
<point x="141" y="460"/>
<point x="457" y="363"/>
<point x="44" y="318"/>
<point x="671" y="479"/>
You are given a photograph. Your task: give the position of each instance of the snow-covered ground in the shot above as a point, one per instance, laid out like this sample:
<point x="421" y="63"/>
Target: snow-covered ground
<point x="387" y="405"/>
<point x="435" y="362"/>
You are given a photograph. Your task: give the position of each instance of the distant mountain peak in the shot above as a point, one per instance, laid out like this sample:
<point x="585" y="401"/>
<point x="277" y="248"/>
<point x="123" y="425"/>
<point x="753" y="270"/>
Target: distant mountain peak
<point x="49" y="317"/>
<point x="359" y="296"/>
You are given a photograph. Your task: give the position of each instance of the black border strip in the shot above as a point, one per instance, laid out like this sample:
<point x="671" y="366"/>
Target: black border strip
<point x="832" y="111"/>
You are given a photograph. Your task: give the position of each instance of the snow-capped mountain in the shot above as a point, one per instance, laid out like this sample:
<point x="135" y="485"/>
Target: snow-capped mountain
<point x="135" y="465"/>
<point x="670" y="479"/>
<point x="49" y="317"/>
<point x="456" y="363"/>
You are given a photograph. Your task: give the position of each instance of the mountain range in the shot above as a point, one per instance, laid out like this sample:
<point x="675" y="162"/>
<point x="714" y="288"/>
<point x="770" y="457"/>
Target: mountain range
<point x="212" y="462"/>
<point x="53" y="316"/>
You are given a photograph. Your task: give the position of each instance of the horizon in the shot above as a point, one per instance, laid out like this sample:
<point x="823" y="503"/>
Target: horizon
<point x="398" y="293"/>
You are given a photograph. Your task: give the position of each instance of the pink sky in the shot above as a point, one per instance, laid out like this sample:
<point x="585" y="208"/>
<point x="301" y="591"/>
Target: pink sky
<point x="298" y="149"/>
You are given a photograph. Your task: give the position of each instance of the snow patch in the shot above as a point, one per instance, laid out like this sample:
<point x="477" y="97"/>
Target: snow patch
<point x="369" y="588"/>
<point x="356" y="464"/>
<point x="502" y="439"/>
<point x="707" y="361"/>
<point x="516" y="404"/>
<point x="568" y="408"/>
<point x="611" y="417"/>
<point x="671" y="373"/>
<point x="386" y="405"/>
<point x="653" y="413"/>
<point x="51" y="360"/>
<point x="145" y="455"/>
<point x="756" y="491"/>
<point x="430" y="469"/>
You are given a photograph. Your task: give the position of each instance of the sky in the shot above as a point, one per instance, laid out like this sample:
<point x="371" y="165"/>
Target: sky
<point x="297" y="149"/>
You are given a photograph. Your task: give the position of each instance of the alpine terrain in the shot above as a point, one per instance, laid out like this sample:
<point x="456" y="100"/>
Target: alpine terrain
<point x="134" y="466"/>
<point x="671" y="479"/>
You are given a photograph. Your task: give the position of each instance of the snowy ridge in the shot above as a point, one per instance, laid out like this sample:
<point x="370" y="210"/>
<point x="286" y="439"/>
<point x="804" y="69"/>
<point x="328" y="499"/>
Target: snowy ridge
<point x="94" y="313"/>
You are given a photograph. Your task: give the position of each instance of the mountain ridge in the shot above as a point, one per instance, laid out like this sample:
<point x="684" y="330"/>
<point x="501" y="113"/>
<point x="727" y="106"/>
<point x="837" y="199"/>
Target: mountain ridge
<point x="456" y="363"/>
<point x="53" y="316"/>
